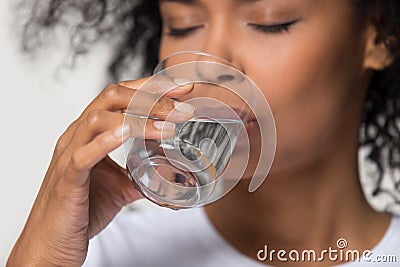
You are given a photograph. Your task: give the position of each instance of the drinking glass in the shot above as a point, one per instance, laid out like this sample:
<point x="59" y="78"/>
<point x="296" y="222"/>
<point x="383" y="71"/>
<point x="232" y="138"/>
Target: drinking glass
<point x="208" y="153"/>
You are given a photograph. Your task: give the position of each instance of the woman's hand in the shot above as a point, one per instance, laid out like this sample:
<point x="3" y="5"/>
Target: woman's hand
<point x="83" y="188"/>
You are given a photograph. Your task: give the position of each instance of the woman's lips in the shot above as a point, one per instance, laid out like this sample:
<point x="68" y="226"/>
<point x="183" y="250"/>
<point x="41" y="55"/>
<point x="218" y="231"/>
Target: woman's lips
<point x="250" y="124"/>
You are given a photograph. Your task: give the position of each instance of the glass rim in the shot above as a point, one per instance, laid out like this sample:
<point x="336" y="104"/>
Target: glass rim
<point x="159" y="67"/>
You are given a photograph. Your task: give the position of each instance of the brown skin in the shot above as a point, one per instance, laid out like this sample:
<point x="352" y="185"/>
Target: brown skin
<point x="315" y="77"/>
<point x="83" y="188"/>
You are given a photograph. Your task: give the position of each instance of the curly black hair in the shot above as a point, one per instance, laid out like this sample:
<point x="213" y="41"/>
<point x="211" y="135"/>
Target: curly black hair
<point x="136" y="27"/>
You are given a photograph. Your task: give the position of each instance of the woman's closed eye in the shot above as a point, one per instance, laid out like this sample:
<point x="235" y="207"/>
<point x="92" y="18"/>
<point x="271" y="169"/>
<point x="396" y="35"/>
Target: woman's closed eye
<point x="181" y="32"/>
<point x="274" y="28"/>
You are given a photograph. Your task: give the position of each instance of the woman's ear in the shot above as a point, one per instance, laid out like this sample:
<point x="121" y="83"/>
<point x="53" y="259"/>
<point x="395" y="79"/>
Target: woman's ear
<point x="377" y="56"/>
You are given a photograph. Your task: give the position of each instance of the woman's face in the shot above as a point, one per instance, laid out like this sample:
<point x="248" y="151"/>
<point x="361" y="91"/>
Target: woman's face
<point x="306" y="56"/>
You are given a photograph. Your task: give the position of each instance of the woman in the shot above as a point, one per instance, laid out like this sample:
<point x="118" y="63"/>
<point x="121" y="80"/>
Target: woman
<point x="326" y="68"/>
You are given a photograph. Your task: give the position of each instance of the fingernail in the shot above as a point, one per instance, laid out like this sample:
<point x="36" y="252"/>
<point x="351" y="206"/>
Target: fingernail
<point x="184" y="107"/>
<point x="122" y="132"/>
<point x="164" y="126"/>
<point x="182" y="82"/>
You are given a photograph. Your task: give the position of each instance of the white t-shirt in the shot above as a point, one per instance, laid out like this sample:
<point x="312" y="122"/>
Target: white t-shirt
<point x="163" y="237"/>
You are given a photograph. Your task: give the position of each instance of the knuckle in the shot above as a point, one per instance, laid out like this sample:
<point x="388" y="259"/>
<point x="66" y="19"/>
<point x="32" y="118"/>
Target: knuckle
<point x="93" y="117"/>
<point x="101" y="141"/>
<point x="165" y="102"/>
<point x="163" y="106"/>
<point x="64" y="139"/>
<point x="61" y="145"/>
<point x="111" y="91"/>
<point x="76" y="162"/>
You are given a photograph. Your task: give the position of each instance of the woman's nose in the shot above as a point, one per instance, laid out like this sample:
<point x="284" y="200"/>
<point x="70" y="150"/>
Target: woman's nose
<point x="217" y="70"/>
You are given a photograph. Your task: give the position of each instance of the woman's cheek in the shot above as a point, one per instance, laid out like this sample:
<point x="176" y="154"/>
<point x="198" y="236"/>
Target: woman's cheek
<point x="301" y="89"/>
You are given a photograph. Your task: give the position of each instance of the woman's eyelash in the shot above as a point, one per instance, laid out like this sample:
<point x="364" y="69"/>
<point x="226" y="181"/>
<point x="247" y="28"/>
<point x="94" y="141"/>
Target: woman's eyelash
<point x="275" y="28"/>
<point x="176" y="32"/>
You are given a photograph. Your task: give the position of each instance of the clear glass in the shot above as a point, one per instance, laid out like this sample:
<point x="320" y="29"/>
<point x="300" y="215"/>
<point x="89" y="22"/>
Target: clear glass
<point x="196" y="166"/>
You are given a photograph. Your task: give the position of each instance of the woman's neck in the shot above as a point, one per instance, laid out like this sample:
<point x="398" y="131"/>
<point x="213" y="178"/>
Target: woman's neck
<point x="307" y="207"/>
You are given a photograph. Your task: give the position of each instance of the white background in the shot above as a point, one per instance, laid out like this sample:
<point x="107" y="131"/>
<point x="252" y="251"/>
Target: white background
<point x="35" y="108"/>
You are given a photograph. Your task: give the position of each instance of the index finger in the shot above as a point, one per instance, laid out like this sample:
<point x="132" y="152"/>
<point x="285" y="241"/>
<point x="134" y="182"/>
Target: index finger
<point x="173" y="88"/>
